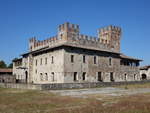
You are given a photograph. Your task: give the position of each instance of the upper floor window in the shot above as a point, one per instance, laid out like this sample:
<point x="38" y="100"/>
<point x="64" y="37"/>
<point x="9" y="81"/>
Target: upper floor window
<point x="52" y="60"/>
<point x="72" y="58"/>
<point x="41" y="61"/>
<point x="110" y="61"/>
<point x="94" y="59"/>
<point x="83" y="58"/>
<point x="36" y="62"/>
<point x="45" y="60"/>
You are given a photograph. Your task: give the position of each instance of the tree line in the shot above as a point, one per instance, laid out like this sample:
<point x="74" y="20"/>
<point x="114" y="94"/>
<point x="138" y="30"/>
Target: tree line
<point x="4" y="65"/>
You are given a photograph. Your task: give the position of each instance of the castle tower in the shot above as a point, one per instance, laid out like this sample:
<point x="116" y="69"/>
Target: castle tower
<point x="68" y="31"/>
<point x="110" y="36"/>
<point x="32" y="42"/>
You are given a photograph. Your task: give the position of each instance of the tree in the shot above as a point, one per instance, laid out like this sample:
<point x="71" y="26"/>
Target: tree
<point x="10" y="65"/>
<point x="2" y="64"/>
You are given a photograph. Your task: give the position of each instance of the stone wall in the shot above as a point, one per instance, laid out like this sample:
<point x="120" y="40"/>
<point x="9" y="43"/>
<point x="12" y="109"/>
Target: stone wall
<point x="20" y="86"/>
<point x="87" y="85"/>
<point x="60" y="86"/>
<point x="7" y="78"/>
<point x="100" y="66"/>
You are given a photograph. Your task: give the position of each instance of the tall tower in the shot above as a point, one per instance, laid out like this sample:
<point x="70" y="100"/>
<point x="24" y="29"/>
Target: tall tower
<point x="32" y="42"/>
<point x="68" y="31"/>
<point x="110" y="36"/>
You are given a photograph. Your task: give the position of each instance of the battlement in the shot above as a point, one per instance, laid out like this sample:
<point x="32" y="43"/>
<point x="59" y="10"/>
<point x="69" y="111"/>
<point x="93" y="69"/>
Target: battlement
<point x="87" y="38"/>
<point x="108" y="38"/>
<point x="110" y="28"/>
<point x="68" y="27"/>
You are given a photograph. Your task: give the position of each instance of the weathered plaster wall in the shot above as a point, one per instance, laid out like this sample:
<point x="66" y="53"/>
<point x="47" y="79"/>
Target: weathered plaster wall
<point x="146" y="72"/>
<point x="102" y="65"/>
<point x="50" y="71"/>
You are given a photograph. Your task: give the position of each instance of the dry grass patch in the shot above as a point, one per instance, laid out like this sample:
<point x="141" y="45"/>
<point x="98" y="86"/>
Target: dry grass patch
<point x="133" y="86"/>
<point x="31" y="101"/>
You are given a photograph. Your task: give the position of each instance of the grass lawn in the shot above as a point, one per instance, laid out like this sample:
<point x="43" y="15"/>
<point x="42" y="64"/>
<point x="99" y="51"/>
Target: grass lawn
<point x="32" y="101"/>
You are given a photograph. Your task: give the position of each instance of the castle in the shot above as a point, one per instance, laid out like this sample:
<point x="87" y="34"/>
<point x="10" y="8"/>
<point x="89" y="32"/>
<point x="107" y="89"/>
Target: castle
<point x="70" y="57"/>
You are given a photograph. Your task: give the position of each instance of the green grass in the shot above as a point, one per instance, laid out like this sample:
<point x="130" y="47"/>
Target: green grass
<point x="32" y="101"/>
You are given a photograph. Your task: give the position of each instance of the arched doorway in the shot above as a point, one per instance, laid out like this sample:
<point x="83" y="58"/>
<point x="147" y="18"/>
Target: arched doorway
<point x="144" y="77"/>
<point x="26" y="76"/>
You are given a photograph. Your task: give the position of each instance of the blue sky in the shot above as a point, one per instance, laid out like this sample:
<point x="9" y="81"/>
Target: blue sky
<point x="22" y="19"/>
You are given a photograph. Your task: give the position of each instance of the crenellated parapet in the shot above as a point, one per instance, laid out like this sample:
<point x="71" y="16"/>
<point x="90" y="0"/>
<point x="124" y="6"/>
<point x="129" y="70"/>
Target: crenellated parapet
<point x="68" y="31"/>
<point x="110" y="35"/>
<point x="108" y="38"/>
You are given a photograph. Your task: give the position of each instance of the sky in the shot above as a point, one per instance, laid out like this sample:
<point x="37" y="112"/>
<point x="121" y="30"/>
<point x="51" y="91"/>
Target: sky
<point x="23" y="19"/>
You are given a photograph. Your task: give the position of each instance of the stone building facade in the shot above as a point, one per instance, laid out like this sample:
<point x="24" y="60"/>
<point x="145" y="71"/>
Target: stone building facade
<point x="6" y="76"/>
<point x="70" y="57"/>
<point x="145" y="72"/>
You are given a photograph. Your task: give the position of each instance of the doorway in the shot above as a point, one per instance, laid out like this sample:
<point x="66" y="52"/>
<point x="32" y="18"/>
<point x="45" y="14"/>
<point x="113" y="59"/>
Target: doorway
<point x="144" y="77"/>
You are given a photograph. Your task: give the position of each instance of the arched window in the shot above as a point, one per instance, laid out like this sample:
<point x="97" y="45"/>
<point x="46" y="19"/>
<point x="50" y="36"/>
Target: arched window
<point x="144" y="77"/>
<point x="41" y="77"/>
<point x="46" y="77"/>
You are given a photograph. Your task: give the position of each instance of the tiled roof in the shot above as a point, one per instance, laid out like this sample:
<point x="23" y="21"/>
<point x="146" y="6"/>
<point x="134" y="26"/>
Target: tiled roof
<point x="145" y="67"/>
<point x="127" y="57"/>
<point x="5" y="70"/>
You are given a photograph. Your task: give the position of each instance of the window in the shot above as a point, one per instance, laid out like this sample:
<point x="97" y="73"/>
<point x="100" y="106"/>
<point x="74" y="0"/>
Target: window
<point x="61" y="36"/>
<point x="52" y="60"/>
<point x="41" y="76"/>
<point x="83" y="75"/>
<point x="53" y="77"/>
<point x="46" y="77"/>
<point x="72" y="58"/>
<point x="137" y="64"/>
<point x="41" y="61"/>
<point x="125" y="76"/>
<point x="134" y="76"/>
<point x="36" y="71"/>
<point x="110" y="61"/>
<point x="83" y="58"/>
<point x="45" y="60"/>
<point x="99" y="76"/>
<point x="75" y="76"/>
<point x="36" y="62"/>
<point x="94" y="59"/>
<point x="111" y="77"/>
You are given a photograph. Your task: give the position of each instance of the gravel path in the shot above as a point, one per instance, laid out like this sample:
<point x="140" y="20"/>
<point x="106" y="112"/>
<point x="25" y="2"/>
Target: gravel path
<point x="110" y="91"/>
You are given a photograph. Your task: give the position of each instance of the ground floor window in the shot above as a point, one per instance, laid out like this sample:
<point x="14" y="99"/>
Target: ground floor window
<point x="41" y="76"/>
<point x="53" y="77"/>
<point x="111" y="77"/>
<point x="46" y="77"/>
<point x="99" y="76"/>
<point x="75" y="76"/>
<point x="83" y="75"/>
<point x="134" y="76"/>
<point x="125" y="76"/>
